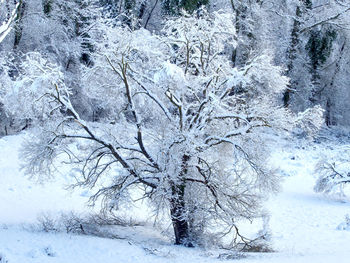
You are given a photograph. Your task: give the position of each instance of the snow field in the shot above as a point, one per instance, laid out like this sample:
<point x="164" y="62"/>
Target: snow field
<point x="303" y="223"/>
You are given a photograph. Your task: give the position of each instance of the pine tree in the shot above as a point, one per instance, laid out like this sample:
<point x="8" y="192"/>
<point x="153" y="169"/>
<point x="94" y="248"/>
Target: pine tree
<point x="174" y="7"/>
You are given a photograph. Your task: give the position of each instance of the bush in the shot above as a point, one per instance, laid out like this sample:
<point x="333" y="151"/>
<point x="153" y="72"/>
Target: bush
<point x="92" y="224"/>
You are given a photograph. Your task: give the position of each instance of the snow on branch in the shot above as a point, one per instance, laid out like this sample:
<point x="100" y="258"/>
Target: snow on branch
<point x="183" y="125"/>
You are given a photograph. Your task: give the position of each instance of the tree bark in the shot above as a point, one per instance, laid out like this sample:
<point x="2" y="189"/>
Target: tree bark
<point x="19" y="26"/>
<point x="180" y="224"/>
<point x="292" y="54"/>
<point x="178" y="208"/>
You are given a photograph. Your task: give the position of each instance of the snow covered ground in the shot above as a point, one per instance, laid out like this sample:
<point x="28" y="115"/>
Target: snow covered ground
<point x="303" y="223"/>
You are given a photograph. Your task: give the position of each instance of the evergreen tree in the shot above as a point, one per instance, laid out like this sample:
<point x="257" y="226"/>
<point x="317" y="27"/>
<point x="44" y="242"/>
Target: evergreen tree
<point x="174" y="7"/>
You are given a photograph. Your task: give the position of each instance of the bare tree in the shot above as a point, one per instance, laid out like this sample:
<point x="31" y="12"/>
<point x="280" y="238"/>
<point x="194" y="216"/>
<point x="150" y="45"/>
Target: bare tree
<point x="183" y="125"/>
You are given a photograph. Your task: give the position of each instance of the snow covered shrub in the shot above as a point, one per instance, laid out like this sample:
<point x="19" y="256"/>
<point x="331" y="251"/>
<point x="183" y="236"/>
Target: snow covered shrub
<point x="37" y="75"/>
<point x="334" y="174"/>
<point x="49" y="251"/>
<point x="311" y="120"/>
<point x="47" y="223"/>
<point x="91" y="224"/>
<point x="345" y="225"/>
<point x="184" y="127"/>
<point x="232" y="256"/>
<point x="73" y="223"/>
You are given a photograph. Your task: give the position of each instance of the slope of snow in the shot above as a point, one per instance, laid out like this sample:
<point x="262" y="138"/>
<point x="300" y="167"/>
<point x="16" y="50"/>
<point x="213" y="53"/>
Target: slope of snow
<point x="303" y="223"/>
<point x="21" y="199"/>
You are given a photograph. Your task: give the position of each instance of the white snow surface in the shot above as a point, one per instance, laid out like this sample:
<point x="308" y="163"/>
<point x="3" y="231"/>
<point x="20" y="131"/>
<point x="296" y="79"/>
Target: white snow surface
<point x="21" y="199"/>
<point x="303" y="223"/>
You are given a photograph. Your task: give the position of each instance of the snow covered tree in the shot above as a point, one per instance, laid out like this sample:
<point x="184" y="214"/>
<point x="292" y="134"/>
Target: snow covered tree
<point x="183" y="124"/>
<point x="246" y="24"/>
<point x="60" y="32"/>
<point x="297" y="59"/>
<point x="316" y="50"/>
<point x="7" y="17"/>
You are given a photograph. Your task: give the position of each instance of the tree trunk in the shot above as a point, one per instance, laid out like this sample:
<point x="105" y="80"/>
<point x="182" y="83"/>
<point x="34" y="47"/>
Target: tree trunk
<point x="19" y="26"/>
<point x="178" y="208"/>
<point x="291" y="55"/>
<point x="180" y="224"/>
